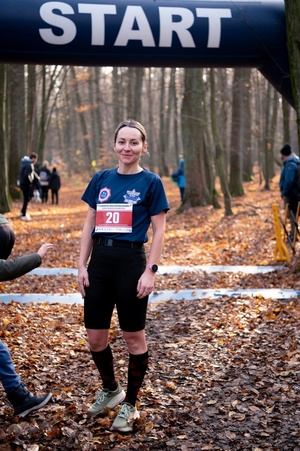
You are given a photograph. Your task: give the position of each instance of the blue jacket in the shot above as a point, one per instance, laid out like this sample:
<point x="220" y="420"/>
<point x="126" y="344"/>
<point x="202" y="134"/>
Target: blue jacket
<point x="288" y="183"/>
<point x="26" y="171"/>
<point x="178" y="176"/>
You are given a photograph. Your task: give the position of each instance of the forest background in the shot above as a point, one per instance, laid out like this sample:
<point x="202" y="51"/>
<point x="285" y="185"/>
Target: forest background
<point x="224" y="121"/>
<point x="224" y="372"/>
<point x="68" y="116"/>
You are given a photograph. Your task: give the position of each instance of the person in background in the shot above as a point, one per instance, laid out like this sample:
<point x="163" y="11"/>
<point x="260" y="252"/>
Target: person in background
<point x="26" y="178"/>
<point x="22" y="400"/>
<point x="289" y="183"/>
<point x="35" y="189"/>
<point x="122" y="203"/>
<point x="178" y="177"/>
<point x="54" y="185"/>
<point x="44" y="180"/>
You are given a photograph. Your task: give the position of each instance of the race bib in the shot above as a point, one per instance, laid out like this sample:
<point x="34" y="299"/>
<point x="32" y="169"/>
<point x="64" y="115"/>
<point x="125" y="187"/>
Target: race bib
<point x="116" y="218"/>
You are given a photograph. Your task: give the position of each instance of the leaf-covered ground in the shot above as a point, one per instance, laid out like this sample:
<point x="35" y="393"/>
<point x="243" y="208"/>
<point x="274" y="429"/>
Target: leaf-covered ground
<point x="224" y="373"/>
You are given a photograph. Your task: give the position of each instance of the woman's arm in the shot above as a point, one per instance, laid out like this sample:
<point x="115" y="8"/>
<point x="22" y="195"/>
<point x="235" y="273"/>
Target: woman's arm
<point x="86" y="245"/>
<point x="146" y="281"/>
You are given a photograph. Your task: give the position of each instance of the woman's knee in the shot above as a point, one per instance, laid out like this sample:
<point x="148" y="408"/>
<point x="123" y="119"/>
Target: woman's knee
<point x="97" y="339"/>
<point x="136" y="342"/>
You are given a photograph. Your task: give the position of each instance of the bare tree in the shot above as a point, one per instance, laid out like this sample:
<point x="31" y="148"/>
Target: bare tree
<point x="237" y="129"/>
<point x="4" y="192"/>
<point x="220" y="153"/>
<point x="292" y="12"/>
<point x="163" y="167"/>
<point x="17" y="147"/>
<point x="193" y="141"/>
<point x="82" y="120"/>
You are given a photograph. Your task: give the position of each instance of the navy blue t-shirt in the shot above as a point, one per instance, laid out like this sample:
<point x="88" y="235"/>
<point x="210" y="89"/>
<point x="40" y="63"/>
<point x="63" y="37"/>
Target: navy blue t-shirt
<point x="144" y="191"/>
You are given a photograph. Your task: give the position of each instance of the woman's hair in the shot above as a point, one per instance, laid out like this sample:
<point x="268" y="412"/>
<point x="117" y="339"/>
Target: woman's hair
<point x="133" y="124"/>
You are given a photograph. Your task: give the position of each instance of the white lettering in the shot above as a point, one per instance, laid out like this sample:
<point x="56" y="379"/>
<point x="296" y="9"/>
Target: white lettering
<point x="167" y="26"/>
<point x="214" y="23"/>
<point x="67" y="26"/>
<point x="135" y="15"/>
<point x="135" y="25"/>
<point x="98" y="22"/>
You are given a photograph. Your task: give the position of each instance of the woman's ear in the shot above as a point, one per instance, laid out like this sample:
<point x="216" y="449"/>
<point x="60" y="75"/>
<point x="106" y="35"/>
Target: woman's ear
<point x="145" y="148"/>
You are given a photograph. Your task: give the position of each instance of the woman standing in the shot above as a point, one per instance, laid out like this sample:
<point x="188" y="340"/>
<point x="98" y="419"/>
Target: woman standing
<point x="122" y="203"/>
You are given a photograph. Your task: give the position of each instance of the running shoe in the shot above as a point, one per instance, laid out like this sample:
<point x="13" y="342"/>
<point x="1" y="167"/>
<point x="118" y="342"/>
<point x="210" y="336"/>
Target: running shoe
<point x="107" y="399"/>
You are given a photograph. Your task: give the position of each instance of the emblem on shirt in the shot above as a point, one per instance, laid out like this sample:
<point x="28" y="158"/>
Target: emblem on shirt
<point x="104" y="194"/>
<point x="132" y="197"/>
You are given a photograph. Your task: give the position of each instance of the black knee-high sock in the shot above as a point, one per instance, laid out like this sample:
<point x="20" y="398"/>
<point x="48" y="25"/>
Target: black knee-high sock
<point x="104" y="361"/>
<point x="137" y="368"/>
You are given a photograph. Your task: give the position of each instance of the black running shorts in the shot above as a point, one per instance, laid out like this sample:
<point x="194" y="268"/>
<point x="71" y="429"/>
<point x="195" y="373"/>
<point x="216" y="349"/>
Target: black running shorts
<point x="113" y="275"/>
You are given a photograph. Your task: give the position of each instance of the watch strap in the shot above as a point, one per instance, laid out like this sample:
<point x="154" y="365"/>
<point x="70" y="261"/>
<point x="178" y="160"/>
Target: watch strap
<point x="150" y="266"/>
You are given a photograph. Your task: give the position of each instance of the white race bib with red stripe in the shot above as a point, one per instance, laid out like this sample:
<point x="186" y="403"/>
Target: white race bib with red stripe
<point x="116" y="218"/>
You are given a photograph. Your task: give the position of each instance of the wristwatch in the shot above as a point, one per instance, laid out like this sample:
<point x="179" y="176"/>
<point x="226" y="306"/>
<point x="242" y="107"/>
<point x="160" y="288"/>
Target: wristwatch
<point x="153" y="268"/>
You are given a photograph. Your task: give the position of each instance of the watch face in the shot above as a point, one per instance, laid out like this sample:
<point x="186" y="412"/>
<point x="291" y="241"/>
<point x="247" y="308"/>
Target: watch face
<point x="154" y="268"/>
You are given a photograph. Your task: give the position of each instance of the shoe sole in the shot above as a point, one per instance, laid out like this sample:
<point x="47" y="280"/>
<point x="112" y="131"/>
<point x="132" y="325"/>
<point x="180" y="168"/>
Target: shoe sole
<point x="39" y="406"/>
<point x="113" y="403"/>
<point x="126" y="428"/>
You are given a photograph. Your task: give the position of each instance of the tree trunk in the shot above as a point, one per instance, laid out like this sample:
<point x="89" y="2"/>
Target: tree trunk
<point x="150" y="120"/>
<point x="98" y="113"/>
<point x="4" y="192"/>
<point x="193" y="141"/>
<point x="292" y="14"/>
<point x="286" y="111"/>
<point x="273" y="127"/>
<point x="17" y="125"/>
<point x="162" y="148"/>
<point x="82" y="121"/>
<point x="235" y="181"/>
<point x="247" y="144"/>
<point x="31" y="110"/>
<point x="220" y="154"/>
<point x="266" y="141"/>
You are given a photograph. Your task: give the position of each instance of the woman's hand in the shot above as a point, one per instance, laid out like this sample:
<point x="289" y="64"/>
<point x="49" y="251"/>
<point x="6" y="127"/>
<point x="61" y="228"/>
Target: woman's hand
<point x="83" y="280"/>
<point x="145" y="284"/>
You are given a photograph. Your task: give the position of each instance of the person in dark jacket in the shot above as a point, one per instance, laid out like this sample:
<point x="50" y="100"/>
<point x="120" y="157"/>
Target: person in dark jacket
<point x="178" y="177"/>
<point x="289" y="182"/>
<point x="26" y="178"/>
<point x="44" y="180"/>
<point x="22" y="400"/>
<point x="7" y="238"/>
<point x="54" y="185"/>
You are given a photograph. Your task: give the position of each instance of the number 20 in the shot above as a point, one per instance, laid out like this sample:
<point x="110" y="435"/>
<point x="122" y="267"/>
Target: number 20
<point x="113" y="217"/>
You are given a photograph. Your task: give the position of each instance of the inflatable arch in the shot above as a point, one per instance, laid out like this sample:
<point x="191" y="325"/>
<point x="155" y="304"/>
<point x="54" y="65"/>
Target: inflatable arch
<point x="180" y="33"/>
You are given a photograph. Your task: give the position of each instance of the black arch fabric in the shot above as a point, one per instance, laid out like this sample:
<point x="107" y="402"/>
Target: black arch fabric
<point x="149" y="33"/>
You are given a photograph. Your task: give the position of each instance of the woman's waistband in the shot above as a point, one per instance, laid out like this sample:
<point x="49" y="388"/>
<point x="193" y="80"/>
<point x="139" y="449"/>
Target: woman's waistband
<point x="118" y="243"/>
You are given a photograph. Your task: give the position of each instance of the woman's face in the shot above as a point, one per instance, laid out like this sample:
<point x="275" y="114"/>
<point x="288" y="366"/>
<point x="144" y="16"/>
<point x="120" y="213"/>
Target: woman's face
<point x="129" y="146"/>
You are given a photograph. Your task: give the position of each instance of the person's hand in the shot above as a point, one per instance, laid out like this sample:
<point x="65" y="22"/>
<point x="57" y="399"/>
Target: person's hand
<point x="145" y="284"/>
<point x="83" y="280"/>
<point x="44" y="249"/>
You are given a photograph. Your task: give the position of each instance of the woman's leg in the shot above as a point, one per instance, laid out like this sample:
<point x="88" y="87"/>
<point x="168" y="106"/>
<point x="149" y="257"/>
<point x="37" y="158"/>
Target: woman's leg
<point x="138" y="363"/>
<point x="111" y="394"/>
<point x="102" y="356"/>
<point x="137" y="367"/>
